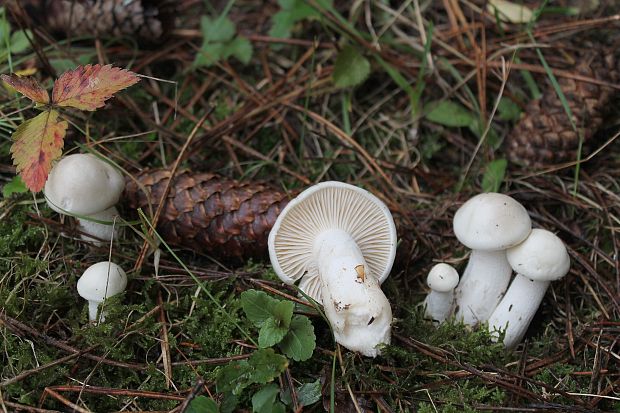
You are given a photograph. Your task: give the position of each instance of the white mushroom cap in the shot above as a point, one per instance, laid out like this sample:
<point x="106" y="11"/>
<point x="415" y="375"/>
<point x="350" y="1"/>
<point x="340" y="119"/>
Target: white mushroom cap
<point x="324" y="207"/>
<point x="442" y="278"/>
<point x="83" y="184"/>
<point x="491" y="222"/>
<point x="541" y="257"/>
<point x="101" y="280"/>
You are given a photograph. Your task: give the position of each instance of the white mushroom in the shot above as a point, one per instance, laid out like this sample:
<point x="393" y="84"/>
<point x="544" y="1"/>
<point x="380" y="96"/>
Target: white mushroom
<point x="99" y="226"/>
<point x="439" y="303"/>
<point x="100" y="281"/>
<point x="538" y="260"/>
<point x="339" y="241"/>
<point x="489" y="224"/>
<point x="82" y="184"/>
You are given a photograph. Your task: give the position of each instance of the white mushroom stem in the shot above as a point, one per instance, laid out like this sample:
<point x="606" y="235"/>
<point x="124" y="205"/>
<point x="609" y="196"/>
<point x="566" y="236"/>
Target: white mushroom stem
<point x="354" y="303"/>
<point x="482" y="285"/>
<point x="100" y="226"/>
<point x="516" y="310"/>
<point x="438" y="305"/>
<point x="93" y="307"/>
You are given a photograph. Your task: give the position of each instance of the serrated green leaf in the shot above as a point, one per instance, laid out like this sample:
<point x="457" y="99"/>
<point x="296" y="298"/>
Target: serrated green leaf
<point x="275" y="328"/>
<point x="263" y="401"/>
<point x="16" y="186"/>
<point x="209" y="54"/>
<point x="266" y="365"/>
<point x="221" y="29"/>
<point x="309" y="393"/>
<point x="258" y="306"/>
<point x="234" y="377"/>
<point x="449" y="113"/>
<point x="300" y="341"/>
<point x="202" y="404"/>
<point x="508" y="110"/>
<point x="241" y="48"/>
<point x="351" y="68"/>
<point x="494" y="175"/>
<point x="292" y="11"/>
<point x="19" y="41"/>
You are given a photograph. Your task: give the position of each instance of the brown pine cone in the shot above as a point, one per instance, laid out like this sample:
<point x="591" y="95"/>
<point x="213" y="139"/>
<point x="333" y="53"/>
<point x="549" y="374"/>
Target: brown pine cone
<point x="149" y="20"/>
<point x="208" y="213"/>
<point x="544" y="134"/>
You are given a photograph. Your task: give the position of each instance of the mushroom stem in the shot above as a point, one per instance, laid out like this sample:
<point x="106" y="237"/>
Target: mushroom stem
<point x="99" y="227"/>
<point x="516" y="310"/>
<point x="438" y="305"/>
<point x="93" y="306"/>
<point x="354" y="303"/>
<point x="482" y="285"/>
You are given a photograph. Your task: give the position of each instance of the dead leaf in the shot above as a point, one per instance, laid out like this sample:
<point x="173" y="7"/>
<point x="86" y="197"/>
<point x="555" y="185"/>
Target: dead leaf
<point x="510" y="12"/>
<point x="29" y="87"/>
<point x="37" y="143"/>
<point x="88" y="87"/>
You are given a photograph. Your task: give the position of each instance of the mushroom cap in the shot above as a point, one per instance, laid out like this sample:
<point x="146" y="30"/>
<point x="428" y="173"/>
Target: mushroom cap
<point x="491" y="222"/>
<point x="541" y="257"/>
<point x="83" y="184"/>
<point x="442" y="278"/>
<point x="331" y="206"/>
<point x="101" y="280"/>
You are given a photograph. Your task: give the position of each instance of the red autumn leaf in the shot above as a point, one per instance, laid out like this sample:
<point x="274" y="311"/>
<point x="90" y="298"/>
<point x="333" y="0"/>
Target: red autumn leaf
<point x="37" y="142"/>
<point x="29" y="87"/>
<point x="88" y="87"/>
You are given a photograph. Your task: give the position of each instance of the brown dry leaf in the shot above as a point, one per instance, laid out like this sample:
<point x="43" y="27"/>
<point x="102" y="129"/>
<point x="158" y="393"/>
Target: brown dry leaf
<point x="29" y="87"/>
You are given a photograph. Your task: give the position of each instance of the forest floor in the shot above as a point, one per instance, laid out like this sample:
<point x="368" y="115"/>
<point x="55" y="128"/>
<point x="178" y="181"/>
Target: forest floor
<point x="423" y="103"/>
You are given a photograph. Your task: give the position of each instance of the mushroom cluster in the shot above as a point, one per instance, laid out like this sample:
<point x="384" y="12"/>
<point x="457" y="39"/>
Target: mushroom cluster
<point x="339" y="242"/>
<point x="499" y="232"/>
<point x="86" y="186"/>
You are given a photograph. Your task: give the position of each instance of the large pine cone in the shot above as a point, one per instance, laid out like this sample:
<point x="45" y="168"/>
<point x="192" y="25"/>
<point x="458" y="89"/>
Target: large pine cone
<point x="209" y="213"/>
<point x="148" y="20"/>
<point x="544" y="134"/>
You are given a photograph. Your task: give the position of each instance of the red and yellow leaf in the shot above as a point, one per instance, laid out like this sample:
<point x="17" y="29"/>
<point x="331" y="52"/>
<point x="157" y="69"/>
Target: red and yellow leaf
<point x="37" y="142"/>
<point x="88" y="87"/>
<point x="29" y="87"/>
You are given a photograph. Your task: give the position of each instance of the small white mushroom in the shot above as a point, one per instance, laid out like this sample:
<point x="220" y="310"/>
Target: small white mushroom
<point x="339" y="242"/>
<point x="100" y="281"/>
<point x="538" y="260"/>
<point x="489" y="224"/>
<point x="82" y="184"/>
<point x="439" y="303"/>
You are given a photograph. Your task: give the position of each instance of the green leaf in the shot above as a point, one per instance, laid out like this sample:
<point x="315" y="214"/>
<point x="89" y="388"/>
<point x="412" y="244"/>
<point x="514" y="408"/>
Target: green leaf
<point x="19" y="41"/>
<point x="258" y="306"/>
<point x="266" y="365"/>
<point x="240" y="48"/>
<point x="16" y="186"/>
<point x="351" y="68"/>
<point x="309" y="393"/>
<point x="202" y="404"/>
<point x="300" y="341"/>
<point x="234" y="377"/>
<point x="209" y="54"/>
<point x="508" y="110"/>
<point x="292" y="11"/>
<point x="494" y="175"/>
<point x="449" y="113"/>
<point x="275" y="328"/>
<point x="264" y="400"/>
<point x="221" y="29"/>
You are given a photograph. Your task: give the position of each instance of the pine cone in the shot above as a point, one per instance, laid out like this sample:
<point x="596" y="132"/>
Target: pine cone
<point x="149" y="20"/>
<point x="544" y="134"/>
<point x="209" y="213"/>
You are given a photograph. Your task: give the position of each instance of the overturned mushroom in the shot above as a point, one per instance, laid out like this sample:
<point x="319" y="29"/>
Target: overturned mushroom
<point x="538" y="260"/>
<point x="439" y="303"/>
<point x="489" y="224"/>
<point x="84" y="185"/>
<point x="339" y="241"/>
